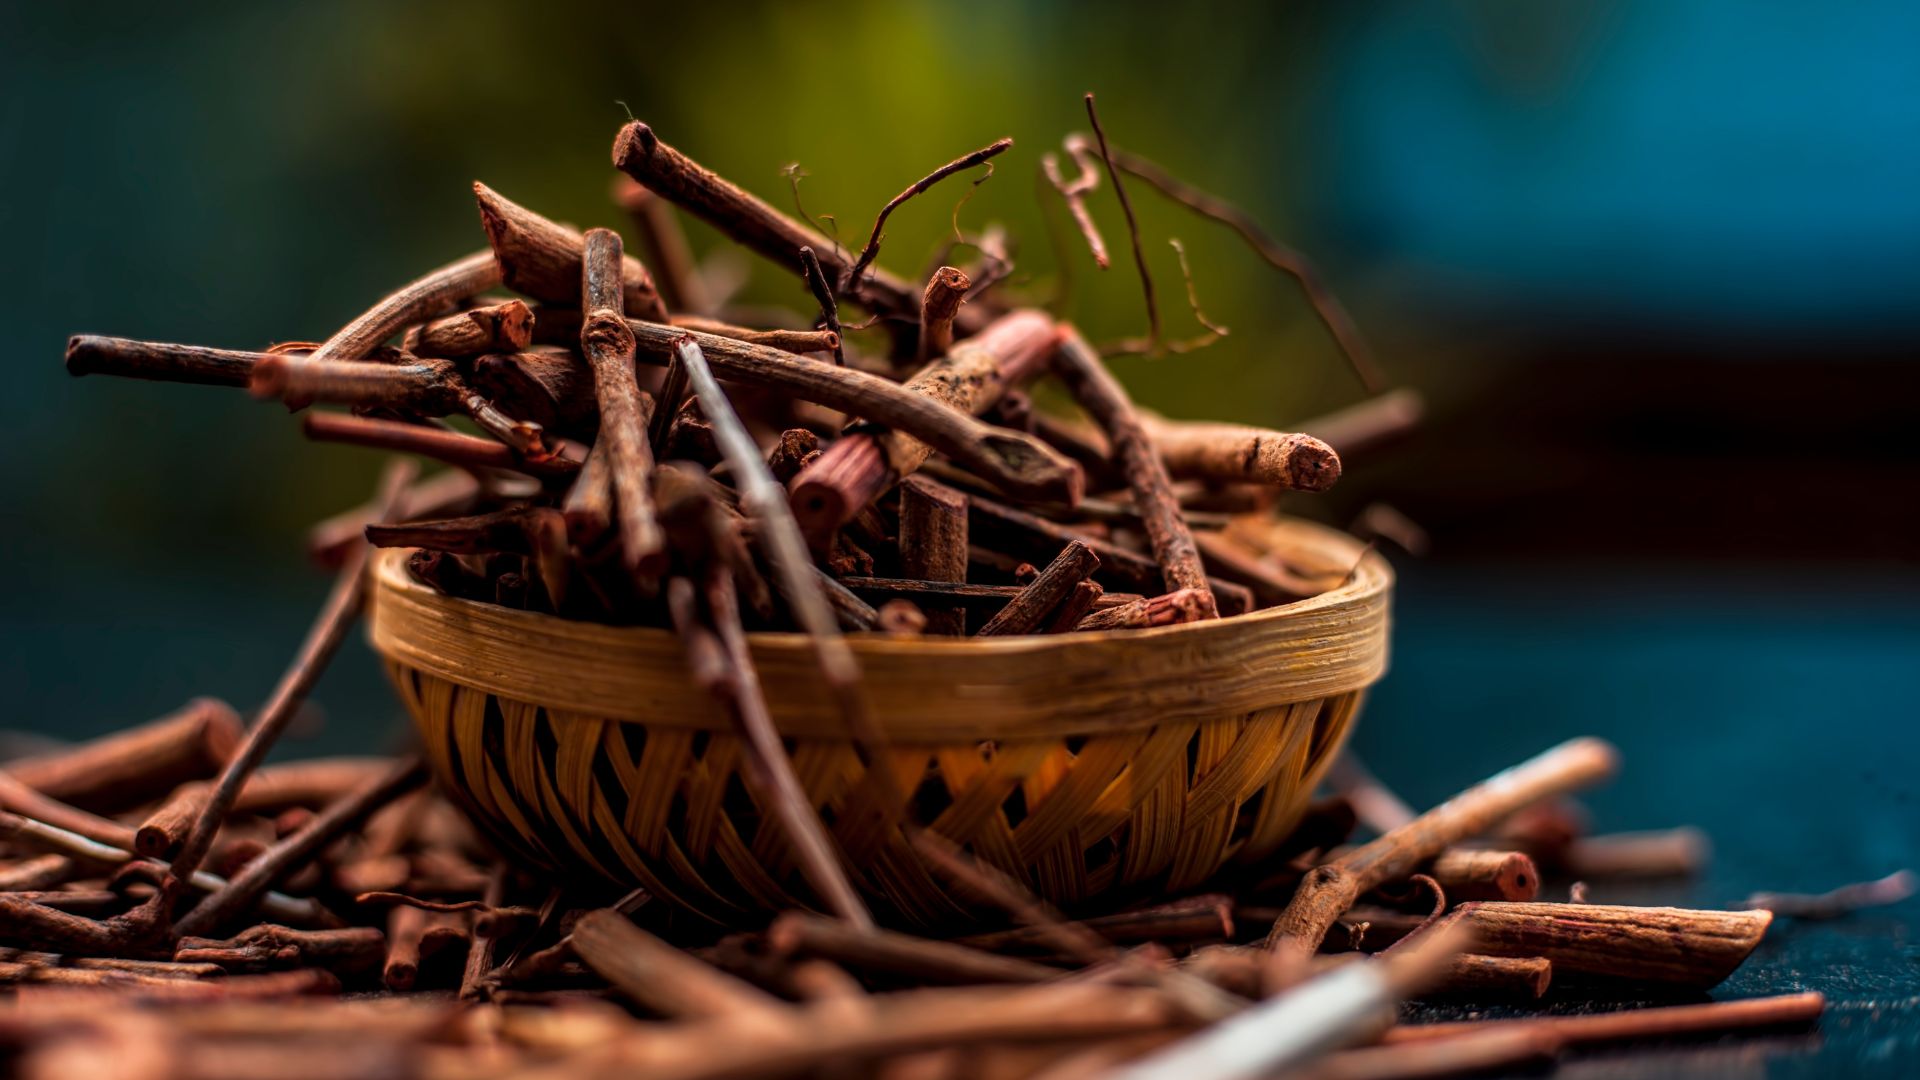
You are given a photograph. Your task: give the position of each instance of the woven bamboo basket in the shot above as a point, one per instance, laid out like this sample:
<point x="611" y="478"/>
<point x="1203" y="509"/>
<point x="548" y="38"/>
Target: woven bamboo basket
<point x="1081" y="764"/>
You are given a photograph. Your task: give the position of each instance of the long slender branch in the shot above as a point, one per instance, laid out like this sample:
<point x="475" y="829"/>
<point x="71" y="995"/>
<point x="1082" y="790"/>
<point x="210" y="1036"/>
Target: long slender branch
<point x="1835" y="903"/>
<point x="466" y="451"/>
<point x="1195" y="997"/>
<point x="1014" y="461"/>
<point x="1331" y="889"/>
<point x="935" y="592"/>
<point x="1652" y="1023"/>
<point x="770" y="765"/>
<point x="323" y="640"/>
<point x="796" y="934"/>
<point x="422" y="386"/>
<point x="793" y="341"/>
<point x="763" y="497"/>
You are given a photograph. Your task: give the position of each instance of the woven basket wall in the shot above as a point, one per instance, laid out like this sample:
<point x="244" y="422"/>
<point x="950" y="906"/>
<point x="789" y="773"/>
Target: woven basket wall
<point x="1078" y="763"/>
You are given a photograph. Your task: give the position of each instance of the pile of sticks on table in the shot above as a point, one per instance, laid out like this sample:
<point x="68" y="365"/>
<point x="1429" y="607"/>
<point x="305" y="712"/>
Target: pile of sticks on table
<point x="355" y="880"/>
<point x="628" y="446"/>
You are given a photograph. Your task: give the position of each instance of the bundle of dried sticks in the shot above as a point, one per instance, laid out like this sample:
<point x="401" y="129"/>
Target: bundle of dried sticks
<point x="932" y="497"/>
<point x="628" y="448"/>
<point x="337" y="876"/>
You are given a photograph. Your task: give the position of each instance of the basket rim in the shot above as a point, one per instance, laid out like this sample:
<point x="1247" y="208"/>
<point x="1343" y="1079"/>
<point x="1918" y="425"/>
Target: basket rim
<point x="924" y="688"/>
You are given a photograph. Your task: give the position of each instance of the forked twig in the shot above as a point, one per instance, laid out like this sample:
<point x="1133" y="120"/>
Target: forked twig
<point x="1144" y="346"/>
<point x="1074" y="194"/>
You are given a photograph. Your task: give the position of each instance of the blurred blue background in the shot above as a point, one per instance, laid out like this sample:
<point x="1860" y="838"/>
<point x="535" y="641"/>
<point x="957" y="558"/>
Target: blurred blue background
<point x="1654" y="265"/>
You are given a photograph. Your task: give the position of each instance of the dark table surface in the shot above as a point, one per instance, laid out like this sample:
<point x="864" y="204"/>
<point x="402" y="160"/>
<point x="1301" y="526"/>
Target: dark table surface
<point x="1774" y="712"/>
<point x="1773" y="708"/>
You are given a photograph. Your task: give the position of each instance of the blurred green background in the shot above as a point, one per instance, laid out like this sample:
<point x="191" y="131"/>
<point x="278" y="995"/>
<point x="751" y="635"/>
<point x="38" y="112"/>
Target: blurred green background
<point x="1653" y="263"/>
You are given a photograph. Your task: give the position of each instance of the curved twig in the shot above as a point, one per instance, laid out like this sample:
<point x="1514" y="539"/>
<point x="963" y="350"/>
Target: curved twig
<point x="959" y="164"/>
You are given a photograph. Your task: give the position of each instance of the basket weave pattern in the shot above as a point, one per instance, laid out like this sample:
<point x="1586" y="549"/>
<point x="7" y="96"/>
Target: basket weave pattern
<point x="581" y="747"/>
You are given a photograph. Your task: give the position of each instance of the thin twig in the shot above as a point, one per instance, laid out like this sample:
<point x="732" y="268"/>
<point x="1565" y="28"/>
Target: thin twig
<point x="1637" y="1024"/>
<point x="1133" y="228"/>
<point x="816" y="279"/>
<point x="959" y="164"/>
<point x="826" y="224"/>
<point x="1194" y="995"/>
<point x="793" y="341"/>
<point x="1277" y="255"/>
<point x="466" y="451"/>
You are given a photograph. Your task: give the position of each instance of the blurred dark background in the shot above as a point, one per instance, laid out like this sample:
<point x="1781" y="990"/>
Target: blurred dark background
<point x="1653" y="264"/>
